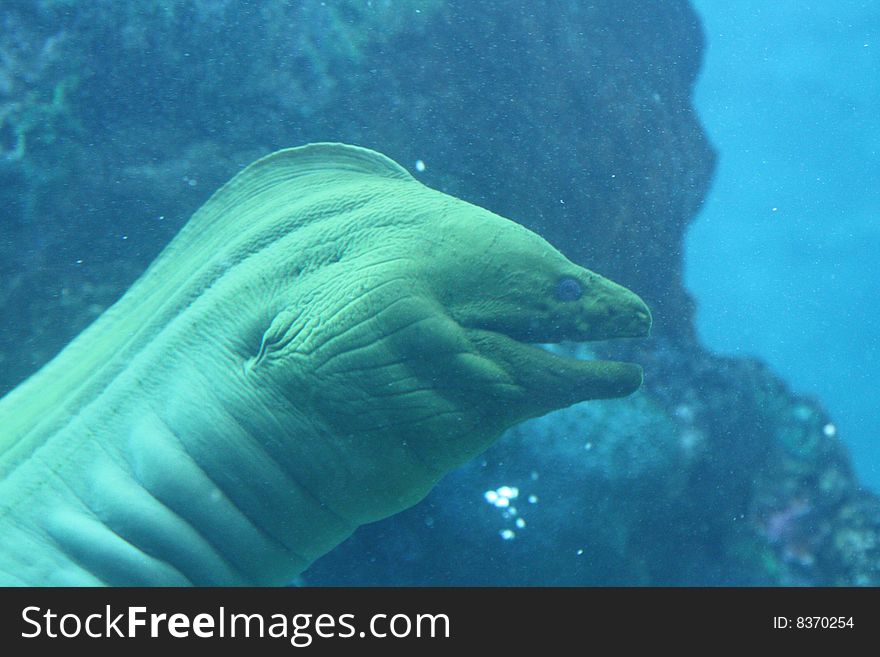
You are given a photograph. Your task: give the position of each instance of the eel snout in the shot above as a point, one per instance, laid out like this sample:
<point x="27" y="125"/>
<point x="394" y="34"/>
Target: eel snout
<point x="612" y="311"/>
<point x="547" y="381"/>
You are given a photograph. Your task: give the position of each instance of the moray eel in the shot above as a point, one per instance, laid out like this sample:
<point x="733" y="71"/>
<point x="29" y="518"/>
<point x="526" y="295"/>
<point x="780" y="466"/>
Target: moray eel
<point x="319" y="345"/>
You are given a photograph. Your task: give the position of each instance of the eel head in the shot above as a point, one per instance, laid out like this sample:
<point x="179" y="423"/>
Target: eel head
<point x="434" y="340"/>
<point x="509" y="290"/>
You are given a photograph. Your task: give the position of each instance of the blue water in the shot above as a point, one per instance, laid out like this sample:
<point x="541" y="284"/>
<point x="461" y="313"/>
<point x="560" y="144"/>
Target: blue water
<point x="784" y="259"/>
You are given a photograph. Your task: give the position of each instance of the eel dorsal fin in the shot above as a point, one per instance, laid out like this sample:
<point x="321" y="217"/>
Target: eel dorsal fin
<point x="250" y="204"/>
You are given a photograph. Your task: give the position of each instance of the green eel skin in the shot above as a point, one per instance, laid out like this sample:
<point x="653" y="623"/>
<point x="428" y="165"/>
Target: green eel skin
<point x="321" y="343"/>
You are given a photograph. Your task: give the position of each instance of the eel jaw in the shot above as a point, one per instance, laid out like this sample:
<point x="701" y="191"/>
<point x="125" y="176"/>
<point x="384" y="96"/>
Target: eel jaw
<point x="545" y="373"/>
<point x="542" y="381"/>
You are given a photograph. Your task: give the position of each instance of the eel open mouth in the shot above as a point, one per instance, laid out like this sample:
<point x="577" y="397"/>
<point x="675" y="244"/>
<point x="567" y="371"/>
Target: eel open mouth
<point x="565" y="380"/>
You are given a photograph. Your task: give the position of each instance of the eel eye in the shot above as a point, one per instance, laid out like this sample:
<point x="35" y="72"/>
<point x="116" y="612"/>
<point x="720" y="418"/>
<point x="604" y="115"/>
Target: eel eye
<point x="569" y="289"/>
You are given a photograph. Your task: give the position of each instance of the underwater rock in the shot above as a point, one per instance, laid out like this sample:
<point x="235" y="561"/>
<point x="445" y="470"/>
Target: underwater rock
<point x="576" y="122"/>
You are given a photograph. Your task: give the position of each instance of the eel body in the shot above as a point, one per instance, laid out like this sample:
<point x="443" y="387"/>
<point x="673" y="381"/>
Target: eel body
<point x="323" y="340"/>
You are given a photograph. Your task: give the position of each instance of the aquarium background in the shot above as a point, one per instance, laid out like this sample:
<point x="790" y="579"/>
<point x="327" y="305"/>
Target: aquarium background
<point x="117" y="120"/>
<point x="784" y="258"/>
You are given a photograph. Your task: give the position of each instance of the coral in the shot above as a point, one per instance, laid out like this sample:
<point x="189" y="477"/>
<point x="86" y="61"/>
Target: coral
<point x="34" y="87"/>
